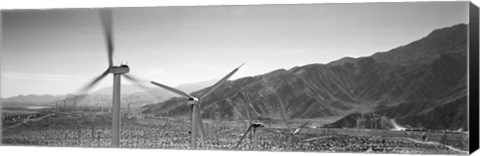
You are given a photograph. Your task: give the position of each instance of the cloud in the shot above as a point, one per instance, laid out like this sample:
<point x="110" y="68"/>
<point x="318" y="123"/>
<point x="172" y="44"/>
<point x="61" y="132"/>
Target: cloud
<point x="40" y="76"/>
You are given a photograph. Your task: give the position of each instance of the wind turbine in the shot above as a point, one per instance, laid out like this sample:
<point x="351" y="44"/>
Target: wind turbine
<point x="74" y="103"/>
<point x="253" y="127"/>
<point x="117" y="71"/>
<point x="65" y="104"/>
<point x="375" y="119"/>
<point x="357" y="121"/>
<point x="194" y="103"/>
<point x="362" y="122"/>
<point x="57" y="108"/>
<point x="292" y="134"/>
<point x="383" y="120"/>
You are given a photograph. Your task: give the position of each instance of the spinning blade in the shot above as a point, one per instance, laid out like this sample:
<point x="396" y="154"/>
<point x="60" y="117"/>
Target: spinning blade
<point x="179" y="92"/>
<point x="219" y="83"/>
<point x="243" y="136"/>
<point x="106" y="19"/>
<point x="136" y="81"/>
<point x="91" y="84"/>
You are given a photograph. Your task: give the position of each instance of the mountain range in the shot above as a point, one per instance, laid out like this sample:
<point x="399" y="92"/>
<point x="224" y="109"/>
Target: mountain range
<point x="130" y="94"/>
<point x="422" y="84"/>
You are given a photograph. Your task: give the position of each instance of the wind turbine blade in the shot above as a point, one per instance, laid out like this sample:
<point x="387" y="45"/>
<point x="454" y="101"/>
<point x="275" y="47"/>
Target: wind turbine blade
<point x="200" y="124"/>
<point x="140" y="83"/>
<point x="91" y="84"/>
<point x="250" y="120"/>
<point x="248" y="100"/>
<point x="269" y="88"/>
<point x="285" y="120"/>
<point x="106" y="19"/>
<point x="249" y="115"/>
<point x="137" y="81"/>
<point x="179" y="92"/>
<point x="243" y="136"/>
<point x="219" y="83"/>
<point x="304" y="124"/>
<point x="301" y="127"/>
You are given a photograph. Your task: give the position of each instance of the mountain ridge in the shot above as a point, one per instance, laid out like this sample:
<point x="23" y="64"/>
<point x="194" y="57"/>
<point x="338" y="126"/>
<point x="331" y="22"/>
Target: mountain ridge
<point x="382" y="82"/>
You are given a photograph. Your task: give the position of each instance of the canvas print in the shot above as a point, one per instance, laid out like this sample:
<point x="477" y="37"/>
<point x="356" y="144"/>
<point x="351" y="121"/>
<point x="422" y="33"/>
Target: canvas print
<point x="349" y="78"/>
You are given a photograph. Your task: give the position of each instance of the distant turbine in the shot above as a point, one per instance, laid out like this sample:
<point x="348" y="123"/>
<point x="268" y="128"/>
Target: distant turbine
<point x="253" y="127"/>
<point x="194" y="104"/>
<point x="290" y="135"/>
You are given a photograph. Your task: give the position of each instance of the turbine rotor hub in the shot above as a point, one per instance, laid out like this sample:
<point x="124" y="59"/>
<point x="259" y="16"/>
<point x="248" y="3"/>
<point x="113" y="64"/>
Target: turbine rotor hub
<point x="192" y="101"/>
<point x="257" y="125"/>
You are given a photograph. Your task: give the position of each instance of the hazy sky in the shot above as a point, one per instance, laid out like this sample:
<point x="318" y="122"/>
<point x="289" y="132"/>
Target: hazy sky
<point x="58" y="51"/>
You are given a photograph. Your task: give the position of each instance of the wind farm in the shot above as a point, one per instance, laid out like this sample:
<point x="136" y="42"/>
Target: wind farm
<point x="283" y="93"/>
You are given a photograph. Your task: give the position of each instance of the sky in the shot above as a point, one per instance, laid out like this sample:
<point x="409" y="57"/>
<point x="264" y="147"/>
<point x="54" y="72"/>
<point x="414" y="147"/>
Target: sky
<point x="57" y="51"/>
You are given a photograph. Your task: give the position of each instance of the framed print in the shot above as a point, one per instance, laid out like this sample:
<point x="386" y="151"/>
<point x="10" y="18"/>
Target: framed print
<point x="382" y="78"/>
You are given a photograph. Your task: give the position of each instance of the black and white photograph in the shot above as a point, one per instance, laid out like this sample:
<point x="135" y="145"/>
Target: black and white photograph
<point x="376" y="77"/>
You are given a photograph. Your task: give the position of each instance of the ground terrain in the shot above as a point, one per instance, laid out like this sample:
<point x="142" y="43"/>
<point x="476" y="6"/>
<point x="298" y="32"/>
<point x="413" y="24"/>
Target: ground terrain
<point x="82" y="129"/>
